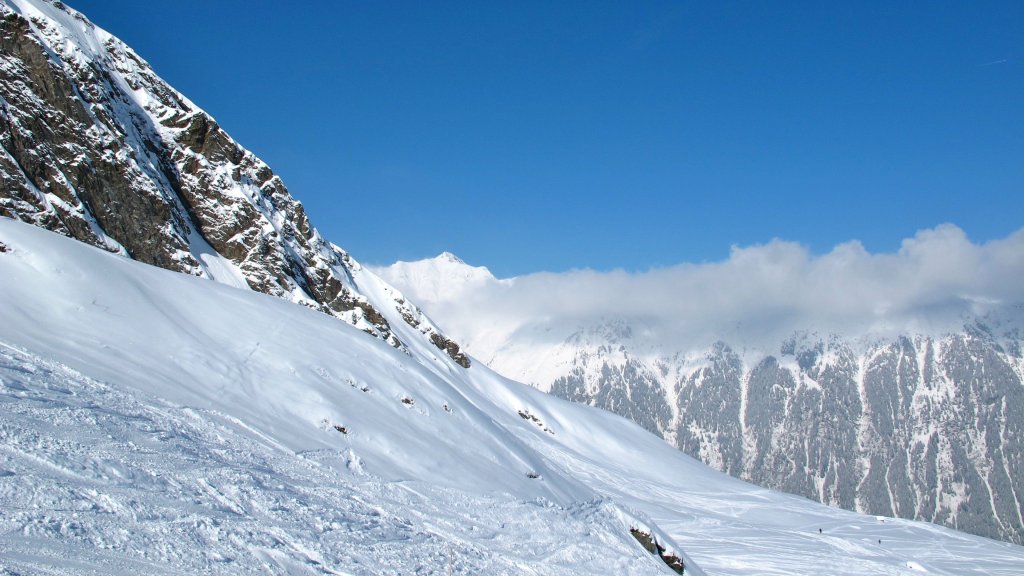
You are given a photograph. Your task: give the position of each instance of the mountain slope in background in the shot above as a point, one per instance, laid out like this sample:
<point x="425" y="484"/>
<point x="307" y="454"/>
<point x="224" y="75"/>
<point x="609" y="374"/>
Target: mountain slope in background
<point x="158" y="422"/>
<point x="97" y="147"/>
<point x="924" y="425"/>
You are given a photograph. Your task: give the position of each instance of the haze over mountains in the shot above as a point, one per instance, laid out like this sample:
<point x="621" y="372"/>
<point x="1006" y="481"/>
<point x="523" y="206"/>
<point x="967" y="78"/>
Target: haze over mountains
<point x="202" y="383"/>
<point x="885" y="383"/>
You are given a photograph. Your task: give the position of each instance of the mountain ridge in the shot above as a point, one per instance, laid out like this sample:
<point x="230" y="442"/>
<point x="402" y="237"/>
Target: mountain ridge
<point x="920" y="425"/>
<point x="99" y="148"/>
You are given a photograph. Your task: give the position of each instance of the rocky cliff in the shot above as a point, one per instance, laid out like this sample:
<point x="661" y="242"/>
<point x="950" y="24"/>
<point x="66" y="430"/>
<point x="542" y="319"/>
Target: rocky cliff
<point x="928" y="428"/>
<point x="97" y="147"/>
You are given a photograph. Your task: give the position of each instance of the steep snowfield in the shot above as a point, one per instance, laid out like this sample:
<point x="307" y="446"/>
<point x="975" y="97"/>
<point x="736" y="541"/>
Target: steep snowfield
<point x="157" y="422"/>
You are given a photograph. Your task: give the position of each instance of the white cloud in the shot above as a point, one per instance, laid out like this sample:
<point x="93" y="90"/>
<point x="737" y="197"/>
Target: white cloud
<point x="758" y="295"/>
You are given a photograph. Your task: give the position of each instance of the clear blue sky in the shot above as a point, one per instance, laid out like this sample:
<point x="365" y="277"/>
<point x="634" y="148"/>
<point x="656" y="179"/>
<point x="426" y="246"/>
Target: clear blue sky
<point x="531" y="136"/>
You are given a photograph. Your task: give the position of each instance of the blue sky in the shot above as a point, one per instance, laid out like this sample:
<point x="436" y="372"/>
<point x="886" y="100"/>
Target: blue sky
<point x="530" y="136"/>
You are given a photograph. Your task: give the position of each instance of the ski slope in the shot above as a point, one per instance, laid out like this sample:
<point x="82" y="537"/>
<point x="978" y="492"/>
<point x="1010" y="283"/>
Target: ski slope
<point x="157" y="422"/>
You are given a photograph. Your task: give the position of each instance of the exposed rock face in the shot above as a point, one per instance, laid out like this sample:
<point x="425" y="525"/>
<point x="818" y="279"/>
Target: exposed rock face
<point x="95" y="146"/>
<point x="917" y="427"/>
<point x="451" y="348"/>
<point x="709" y="406"/>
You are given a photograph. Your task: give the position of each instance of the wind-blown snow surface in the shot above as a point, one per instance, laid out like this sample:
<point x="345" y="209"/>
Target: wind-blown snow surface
<point x="157" y="422"/>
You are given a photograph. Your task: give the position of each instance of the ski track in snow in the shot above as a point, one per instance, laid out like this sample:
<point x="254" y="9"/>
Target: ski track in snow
<point x="122" y="484"/>
<point x="95" y="480"/>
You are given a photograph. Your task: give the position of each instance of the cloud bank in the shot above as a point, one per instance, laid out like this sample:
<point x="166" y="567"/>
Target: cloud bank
<point x="933" y="283"/>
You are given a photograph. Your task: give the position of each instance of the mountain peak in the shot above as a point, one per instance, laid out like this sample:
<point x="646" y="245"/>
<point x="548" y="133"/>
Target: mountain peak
<point x="442" y="277"/>
<point x="97" y="147"/>
<point x="449" y="257"/>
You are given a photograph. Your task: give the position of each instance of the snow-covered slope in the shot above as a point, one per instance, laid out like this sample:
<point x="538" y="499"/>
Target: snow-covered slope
<point x="94" y="145"/>
<point x="157" y="422"/>
<point x="160" y="422"/>
<point x="918" y="424"/>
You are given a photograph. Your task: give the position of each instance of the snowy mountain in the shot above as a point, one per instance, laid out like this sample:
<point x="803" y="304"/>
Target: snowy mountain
<point x="98" y="148"/>
<point x="158" y="422"/>
<point x="919" y="424"/>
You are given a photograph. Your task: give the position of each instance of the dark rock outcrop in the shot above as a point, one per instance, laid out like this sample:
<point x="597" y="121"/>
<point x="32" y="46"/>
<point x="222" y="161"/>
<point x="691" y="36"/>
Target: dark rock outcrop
<point x="95" y="146"/>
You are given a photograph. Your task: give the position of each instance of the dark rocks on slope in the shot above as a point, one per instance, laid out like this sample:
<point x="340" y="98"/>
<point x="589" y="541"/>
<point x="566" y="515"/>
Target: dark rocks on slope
<point x="95" y="146"/>
<point x="451" y="348"/>
<point x="709" y="406"/>
<point x="922" y="428"/>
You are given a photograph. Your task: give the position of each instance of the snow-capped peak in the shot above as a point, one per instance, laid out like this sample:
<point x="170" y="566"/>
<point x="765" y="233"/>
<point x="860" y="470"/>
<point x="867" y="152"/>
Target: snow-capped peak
<point x="443" y="277"/>
<point x="449" y="257"/>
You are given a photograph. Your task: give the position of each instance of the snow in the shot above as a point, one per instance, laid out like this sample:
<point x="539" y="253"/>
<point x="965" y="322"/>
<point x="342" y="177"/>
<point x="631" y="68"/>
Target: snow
<point x="152" y="422"/>
<point x="436" y="279"/>
<point x="155" y="421"/>
<point x="449" y="288"/>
